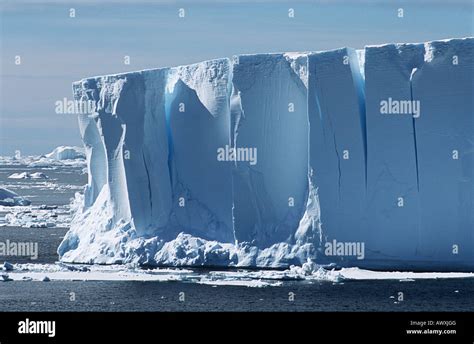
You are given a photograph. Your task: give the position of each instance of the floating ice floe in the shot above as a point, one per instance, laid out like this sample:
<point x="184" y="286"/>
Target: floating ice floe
<point x="248" y="278"/>
<point x="27" y="175"/>
<point x="42" y="216"/>
<point x="43" y="185"/>
<point x="9" y="198"/>
<point x="7" y="266"/>
<point x="6" y="278"/>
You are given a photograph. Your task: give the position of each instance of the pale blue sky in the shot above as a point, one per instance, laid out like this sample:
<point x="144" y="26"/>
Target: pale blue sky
<point x="57" y="50"/>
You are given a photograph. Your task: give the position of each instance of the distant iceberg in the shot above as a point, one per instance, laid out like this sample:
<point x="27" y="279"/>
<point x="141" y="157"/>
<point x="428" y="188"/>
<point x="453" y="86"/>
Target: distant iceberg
<point x="367" y="149"/>
<point x="66" y="153"/>
<point x="62" y="156"/>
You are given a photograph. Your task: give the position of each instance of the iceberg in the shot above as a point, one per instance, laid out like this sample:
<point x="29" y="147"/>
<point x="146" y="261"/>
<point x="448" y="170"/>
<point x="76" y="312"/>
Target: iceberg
<point x="267" y="160"/>
<point x="62" y="156"/>
<point x="66" y="153"/>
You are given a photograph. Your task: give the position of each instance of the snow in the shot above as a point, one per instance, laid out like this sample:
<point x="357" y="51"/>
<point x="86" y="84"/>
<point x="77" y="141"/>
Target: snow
<point x="329" y="166"/>
<point x="361" y="61"/>
<point x="9" y="198"/>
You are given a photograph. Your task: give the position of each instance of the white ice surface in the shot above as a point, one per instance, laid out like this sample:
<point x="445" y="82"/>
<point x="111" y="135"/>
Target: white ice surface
<point x="36" y="216"/>
<point x="248" y="278"/>
<point x="27" y="175"/>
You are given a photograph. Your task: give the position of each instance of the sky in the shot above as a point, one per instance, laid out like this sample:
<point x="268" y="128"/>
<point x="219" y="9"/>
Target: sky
<point x="56" y="49"/>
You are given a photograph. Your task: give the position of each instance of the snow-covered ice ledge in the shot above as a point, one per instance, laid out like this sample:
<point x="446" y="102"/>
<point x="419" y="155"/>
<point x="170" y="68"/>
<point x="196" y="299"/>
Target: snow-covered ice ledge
<point x="158" y="194"/>
<point x="239" y="277"/>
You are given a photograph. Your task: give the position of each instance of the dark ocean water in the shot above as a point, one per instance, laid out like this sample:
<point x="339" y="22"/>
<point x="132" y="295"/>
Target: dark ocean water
<point x="425" y="295"/>
<point x="38" y="194"/>
<point x="422" y="295"/>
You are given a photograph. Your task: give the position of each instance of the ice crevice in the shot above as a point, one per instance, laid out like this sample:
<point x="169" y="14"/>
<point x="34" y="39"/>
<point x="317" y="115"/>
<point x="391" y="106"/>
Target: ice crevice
<point x="338" y="165"/>
<point x="150" y="199"/>
<point x="159" y="193"/>
<point x="414" y="129"/>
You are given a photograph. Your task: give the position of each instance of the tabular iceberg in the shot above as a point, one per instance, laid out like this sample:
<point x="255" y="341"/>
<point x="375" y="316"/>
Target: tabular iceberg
<point x="358" y="158"/>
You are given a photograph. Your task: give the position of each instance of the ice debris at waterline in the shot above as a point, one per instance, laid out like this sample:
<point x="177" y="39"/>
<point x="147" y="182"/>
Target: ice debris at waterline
<point x="241" y="277"/>
<point x="43" y="216"/>
<point x="368" y="151"/>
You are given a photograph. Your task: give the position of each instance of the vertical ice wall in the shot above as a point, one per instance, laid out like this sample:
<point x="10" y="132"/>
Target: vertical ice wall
<point x="392" y="167"/>
<point x="152" y="155"/>
<point x="269" y="195"/>
<point x="127" y="142"/>
<point x="111" y="127"/>
<point x="199" y="120"/>
<point x="444" y="86"/>
<point x="128" y="193"/>
<point x="155" y="152"/>
<point x="91" y="138"/>
<point x="337" y="142"/>
<point x="420" y="171"/>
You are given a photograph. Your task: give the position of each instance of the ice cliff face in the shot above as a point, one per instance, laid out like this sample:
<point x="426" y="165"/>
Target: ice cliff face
<point x="269" y="196"/>
<point x="268" y="160"/>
